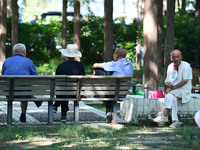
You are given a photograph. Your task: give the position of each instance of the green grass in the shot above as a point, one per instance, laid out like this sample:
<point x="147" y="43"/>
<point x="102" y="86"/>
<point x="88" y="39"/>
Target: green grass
<point x="98" y="137"/>
<point x="102" y="106"/>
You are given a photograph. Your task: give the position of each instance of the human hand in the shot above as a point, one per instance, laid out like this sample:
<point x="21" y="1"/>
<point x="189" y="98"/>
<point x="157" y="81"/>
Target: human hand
<point x="168" y="84"/>
<point x="167" y="90"/>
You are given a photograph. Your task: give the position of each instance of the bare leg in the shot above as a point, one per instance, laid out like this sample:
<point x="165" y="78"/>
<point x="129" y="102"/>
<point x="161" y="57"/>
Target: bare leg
<point x="24" y="106"/>
<point x="165" y="112"/>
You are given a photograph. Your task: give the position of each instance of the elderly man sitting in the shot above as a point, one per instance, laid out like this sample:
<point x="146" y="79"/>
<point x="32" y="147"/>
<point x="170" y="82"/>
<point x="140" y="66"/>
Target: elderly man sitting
<point x="178" y="82"/>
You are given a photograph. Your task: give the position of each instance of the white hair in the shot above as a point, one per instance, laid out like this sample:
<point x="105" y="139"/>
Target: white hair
<point x="19" y="48"/>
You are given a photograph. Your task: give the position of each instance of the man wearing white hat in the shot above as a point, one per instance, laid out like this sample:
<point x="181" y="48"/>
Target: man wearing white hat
<point x="70" y="67"/>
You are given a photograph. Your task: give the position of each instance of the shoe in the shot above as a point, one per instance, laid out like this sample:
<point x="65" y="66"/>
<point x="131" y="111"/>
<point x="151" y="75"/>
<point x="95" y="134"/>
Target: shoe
<point x="63" y="119"/>
<point x="38" y="103"/>
<point x="55" y="108"/>
<point x="22" y="117"/>
<point x="175" y="124"/>
<point x="109" y="117"/>
<point x="161" y="118"/>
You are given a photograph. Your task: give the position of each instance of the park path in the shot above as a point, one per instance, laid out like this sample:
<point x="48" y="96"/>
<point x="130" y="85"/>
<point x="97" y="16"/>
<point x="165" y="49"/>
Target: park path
<point x="42" y="112"/>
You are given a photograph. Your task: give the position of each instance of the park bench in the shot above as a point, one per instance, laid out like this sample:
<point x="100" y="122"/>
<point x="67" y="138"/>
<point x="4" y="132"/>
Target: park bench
<point x="46" y="87"/>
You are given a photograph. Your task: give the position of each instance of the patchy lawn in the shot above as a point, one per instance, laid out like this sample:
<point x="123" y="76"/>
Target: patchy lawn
<point x="99" y="136"/>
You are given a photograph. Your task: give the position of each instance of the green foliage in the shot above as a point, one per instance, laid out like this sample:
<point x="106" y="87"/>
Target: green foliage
<point x="188" y="136"/>
<point x="102" y="106"/>
<point x="43" y="41"/>
<point x="187" y="37"/>
<point x="92" y="40"/>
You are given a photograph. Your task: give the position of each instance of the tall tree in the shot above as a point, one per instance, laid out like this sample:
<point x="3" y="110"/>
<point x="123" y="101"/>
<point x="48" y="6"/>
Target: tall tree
<point x="64" y="24"/>
<point x="3" y="31"/>
<point x="14" y="22"/>
<point x="138" y="67"/>
<point x="183" y="6"/>
<point x="108" y="30"/>
<point x="77" y="23"/>
<point x="169" y="39"/>
<point x="197" y="12"/>
<point x="151" y="48"/>
<point x="160" y="38"/>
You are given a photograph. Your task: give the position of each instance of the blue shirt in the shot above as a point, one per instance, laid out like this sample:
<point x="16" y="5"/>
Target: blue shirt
<point x="119" y="67"/>
<point x="32" y="22"/>
<point x="18" y="65"/>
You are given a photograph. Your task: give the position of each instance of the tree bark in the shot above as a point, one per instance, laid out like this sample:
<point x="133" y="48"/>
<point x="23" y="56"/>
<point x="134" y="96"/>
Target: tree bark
<point x="151" y="48"/>
<point x="14" y="22"/>
<point x="197" y="12"/>
<point x="160" y="39"/>
<point x="77" y="23"/>
<point x="64" y="24"/>
<point x="108" y="30"/>
<point x="3" y="31"/>
<point x="183" y="6"/>
<point x="138" y="66"/>
<point x="169" y="39"/>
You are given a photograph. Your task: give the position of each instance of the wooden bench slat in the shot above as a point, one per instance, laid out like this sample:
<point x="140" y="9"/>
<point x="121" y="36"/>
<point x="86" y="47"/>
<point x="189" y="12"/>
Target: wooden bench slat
<point x="4" y="87"/>
<point x="65" y="99"/>
<point x="97" y="92"/>
<point x="65" y="84"/>
<point x="65" y="92"/>
<point x="32" y="88"/>
<point x="3" y="93"/>
<point x="57" y="88"/>
<point x="32" y="93"/>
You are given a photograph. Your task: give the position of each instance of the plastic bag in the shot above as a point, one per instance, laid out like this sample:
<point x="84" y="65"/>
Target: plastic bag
<point x="156" y="94"/>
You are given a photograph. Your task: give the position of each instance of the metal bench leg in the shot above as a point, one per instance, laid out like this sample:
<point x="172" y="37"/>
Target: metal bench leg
<point x="114" y="112"/>
<point x="76" y="112"/>
<point x="50" y="112"/>
<point x="9" y="113"/>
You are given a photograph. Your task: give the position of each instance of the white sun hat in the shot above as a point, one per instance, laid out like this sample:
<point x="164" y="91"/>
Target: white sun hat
<point x="71" y="51"/>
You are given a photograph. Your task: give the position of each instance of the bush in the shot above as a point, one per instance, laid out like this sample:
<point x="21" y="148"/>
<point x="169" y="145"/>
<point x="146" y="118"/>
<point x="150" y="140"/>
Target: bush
<point x="187" y="37"/>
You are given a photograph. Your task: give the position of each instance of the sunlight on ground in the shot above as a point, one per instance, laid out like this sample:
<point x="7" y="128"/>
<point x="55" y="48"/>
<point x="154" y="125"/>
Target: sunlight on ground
<point x="31" y="144"/>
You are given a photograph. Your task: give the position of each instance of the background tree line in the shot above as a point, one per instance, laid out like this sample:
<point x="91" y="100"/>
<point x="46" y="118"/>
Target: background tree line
<point x="97" y="37"/>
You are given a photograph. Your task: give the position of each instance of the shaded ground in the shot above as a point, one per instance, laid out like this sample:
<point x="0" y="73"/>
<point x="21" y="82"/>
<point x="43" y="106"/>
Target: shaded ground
<point x="154" y="138"/>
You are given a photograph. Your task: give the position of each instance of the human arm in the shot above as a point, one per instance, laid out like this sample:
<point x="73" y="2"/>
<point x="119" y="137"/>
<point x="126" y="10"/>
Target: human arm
<point x="33" y="70"/>
<point x="97" y="65"/>
<point x="171" y="87"/>
<point x="182" y="83"/>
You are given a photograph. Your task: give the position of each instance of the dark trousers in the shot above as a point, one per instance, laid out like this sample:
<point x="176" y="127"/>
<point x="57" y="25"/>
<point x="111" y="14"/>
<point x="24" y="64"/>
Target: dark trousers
<point x="64" y="106"/>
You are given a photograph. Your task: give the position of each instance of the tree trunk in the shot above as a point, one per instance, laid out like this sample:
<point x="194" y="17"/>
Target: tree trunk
<point x="169" y="39"/>
<point x="160" y="39"/>
<point x="14" y="22"/>
<point x="3" y="31"/>
<point x="183" y="6"/>
<point x="64" y="24"/>
<point x="151" y="49"/>
<point x="77" y="23"/>
<point x="138" y="67"/>
<point x="197" y="12"/>
<point x="108" y="30"/>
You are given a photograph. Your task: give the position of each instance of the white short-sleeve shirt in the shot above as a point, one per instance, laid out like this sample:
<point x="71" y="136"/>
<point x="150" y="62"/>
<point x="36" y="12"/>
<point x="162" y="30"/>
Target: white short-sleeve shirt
<point x="184" y="73"/>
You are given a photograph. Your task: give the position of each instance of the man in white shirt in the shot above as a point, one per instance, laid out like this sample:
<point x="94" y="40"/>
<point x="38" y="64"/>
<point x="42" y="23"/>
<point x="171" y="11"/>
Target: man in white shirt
<point x="178" y="82"/>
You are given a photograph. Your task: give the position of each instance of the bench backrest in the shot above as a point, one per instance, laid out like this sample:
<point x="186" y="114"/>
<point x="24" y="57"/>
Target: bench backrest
<point x="62" y="87"/>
